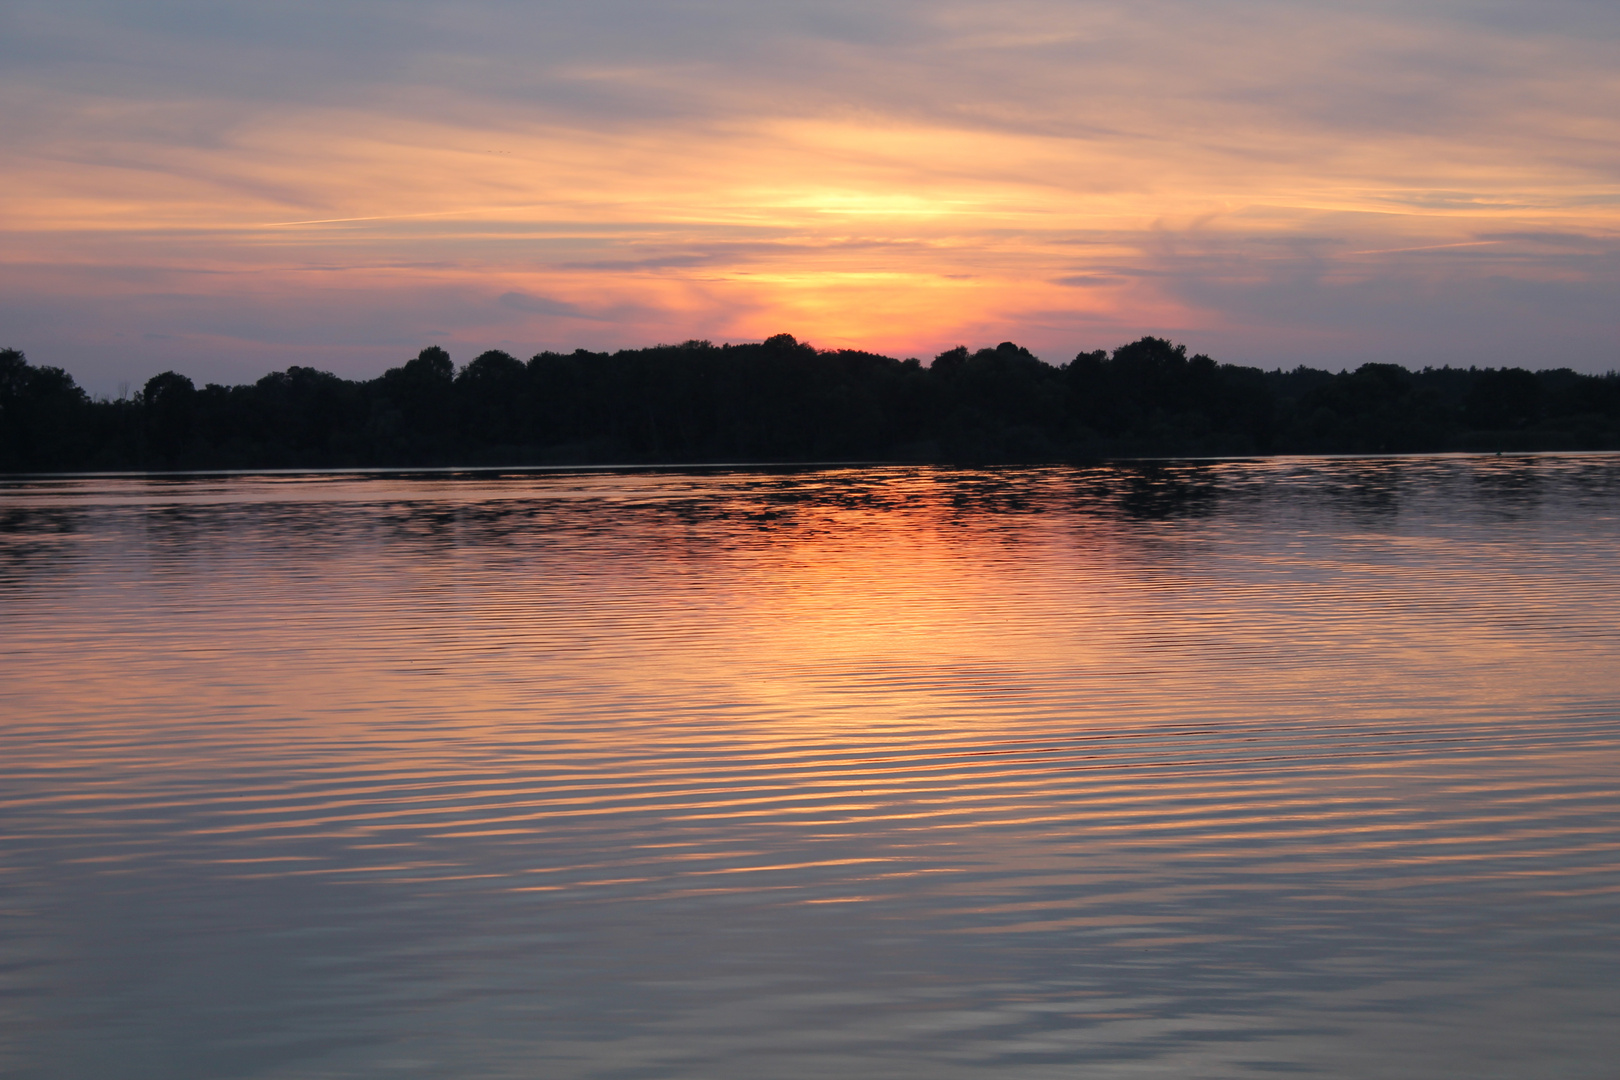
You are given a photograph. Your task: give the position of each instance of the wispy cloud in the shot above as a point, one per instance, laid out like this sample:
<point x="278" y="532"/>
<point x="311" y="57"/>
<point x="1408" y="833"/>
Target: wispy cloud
<point x="1271" y="182"/>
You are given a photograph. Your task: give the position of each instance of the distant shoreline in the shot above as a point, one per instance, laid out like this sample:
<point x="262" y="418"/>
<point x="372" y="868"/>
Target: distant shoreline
<point x="785" y="404"/>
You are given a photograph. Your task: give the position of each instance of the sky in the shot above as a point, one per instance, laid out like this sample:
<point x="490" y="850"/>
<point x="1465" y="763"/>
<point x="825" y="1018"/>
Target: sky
<point x="226" y="188"/>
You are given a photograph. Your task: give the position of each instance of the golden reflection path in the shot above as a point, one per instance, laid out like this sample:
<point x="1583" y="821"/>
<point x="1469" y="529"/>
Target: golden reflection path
<point x="1202" y="769"/>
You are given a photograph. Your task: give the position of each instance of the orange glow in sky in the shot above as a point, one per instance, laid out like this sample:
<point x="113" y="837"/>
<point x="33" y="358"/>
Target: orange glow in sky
<point x="228" y="191"/>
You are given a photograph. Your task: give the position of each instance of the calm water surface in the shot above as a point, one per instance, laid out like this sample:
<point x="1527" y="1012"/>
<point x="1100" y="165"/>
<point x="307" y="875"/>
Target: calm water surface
<point x="1213" y="770"/>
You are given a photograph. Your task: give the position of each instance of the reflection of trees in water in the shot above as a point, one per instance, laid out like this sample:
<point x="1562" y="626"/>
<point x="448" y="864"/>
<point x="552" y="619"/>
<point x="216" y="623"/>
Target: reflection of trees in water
<point x="1000" y="492"/>
<point x="722" y="511"/>
<point x="1508" y="487"/>
<point x="438" y="524"/>
<point x="1370" y="491"/>
<point x="1154" y="491"/>
<point x="1595" y="483"/>
<point x="703" y="514"/>
<point x="729" y="510"/>
<point x="37" y="543"/>
<point x="178" y="533"/>
<point x="1375" y="492"/>
<point x="1149" y="490"/>
<point x="1512" y="487"/>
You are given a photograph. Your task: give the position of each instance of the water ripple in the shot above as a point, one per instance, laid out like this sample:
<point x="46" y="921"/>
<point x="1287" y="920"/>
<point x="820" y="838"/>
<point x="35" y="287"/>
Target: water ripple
<point x="1209" y="769"/>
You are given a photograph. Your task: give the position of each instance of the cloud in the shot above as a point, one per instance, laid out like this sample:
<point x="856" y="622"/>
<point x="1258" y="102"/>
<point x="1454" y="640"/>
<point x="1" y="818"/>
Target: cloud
<point x="1262" y="177"/>
<point x="541" y="305"/>
<point x="1089" y="281"/>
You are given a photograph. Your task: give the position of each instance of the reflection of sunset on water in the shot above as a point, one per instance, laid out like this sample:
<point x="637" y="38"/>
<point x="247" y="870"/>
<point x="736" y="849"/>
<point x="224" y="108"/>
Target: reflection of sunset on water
<point x="1222" y="762"/>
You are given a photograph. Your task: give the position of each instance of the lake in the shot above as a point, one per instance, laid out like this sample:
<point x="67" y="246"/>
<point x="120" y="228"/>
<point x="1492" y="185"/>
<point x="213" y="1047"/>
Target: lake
<point x="1212" y="769"/>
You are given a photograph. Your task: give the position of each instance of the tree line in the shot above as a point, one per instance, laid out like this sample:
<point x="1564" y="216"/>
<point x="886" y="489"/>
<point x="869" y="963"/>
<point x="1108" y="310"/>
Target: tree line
<point x="784" y="401"/>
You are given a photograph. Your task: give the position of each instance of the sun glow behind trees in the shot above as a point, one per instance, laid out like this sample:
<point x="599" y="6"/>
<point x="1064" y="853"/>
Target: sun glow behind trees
<point x="241" y="190"/>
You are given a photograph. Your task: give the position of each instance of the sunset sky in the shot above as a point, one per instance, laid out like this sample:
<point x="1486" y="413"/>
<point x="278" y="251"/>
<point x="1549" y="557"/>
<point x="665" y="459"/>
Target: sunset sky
<point x="227" y="188"/>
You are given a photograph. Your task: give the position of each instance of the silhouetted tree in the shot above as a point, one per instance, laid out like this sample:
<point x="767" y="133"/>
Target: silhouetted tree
<point x="1509" y="398"/>
<point x="42" y="415"/>
<point x="494" y="402"/>
<point x="169" y="401"/>
<point x="413" y="407"/>
<point x="785" y="400"/>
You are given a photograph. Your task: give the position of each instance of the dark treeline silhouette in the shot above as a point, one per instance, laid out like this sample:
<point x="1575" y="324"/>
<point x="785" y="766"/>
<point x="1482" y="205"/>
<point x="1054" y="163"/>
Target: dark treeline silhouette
<point x="783" y="400"/>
